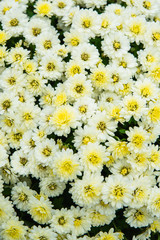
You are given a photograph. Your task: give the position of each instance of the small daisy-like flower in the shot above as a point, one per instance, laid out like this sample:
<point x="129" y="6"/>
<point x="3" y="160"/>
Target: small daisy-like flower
<point x="40" y="210"/>
<point x="66" y="165"/>
<point x="137" y="138"/>
<point x="64" y="118"/>
<point x="117" y="191"/>
<point x="86" y="192"/>
<point x="93" y="156"/>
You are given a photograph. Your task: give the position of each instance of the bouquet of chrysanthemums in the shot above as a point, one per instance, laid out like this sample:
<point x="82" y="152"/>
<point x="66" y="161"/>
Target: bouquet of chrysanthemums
<point x="79" y="119"/>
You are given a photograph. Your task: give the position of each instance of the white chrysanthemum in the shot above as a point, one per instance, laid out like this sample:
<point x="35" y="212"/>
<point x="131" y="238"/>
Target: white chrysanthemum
<point x="133" y="105"/>
<point x="46" y="42"/>
<point x="61" y="7"/>
<point x="136" y="28"/>
<point x="35" y="27"/>
<point x="73" y="38"/>
<point x="40" y="210"/>
<point x="12" y="79"/>
<point x="100" y="219"/>
<point x="45" y="152"/>
<point x="139" y="161"/>
<point x="21" y="195"/>
<point x="100" y="77"/>
<point x="128" y="62"/>
<point x="138" y="138"/>
<point x="6" y="209"/>
<point x="51" y="67"/>
<point x="21" y="163"/>
<point x="146" y="88"/>
<point x="14" y="21"/>
<point x="115" y="44"/>
<point x="107" y="23"/>
<point x="52" y="186"/>
<point x="153" y="113"/>
<point x="154" y="157"/>
<point x="4" y="156"/>
<point x="17" y="56"/>
<point x="118" y="149"/>
<point x="117" y="191"/>
<point x="138" y="217"/>
<point x="66" y="165"/>
<point x="148" y="57"/>
<point x="87" y="21"/>
<point x="39" y="232"/>
<point x="35" y="84"/>
<point x="152" y="36"/>
<point x="93" y="156"/>
<point x="43" y="8"/>
<point x="13" y="229"/>
<point x="141" y="190"/>
<point x="86" y="192"/>
<point x="103" y="124"/>
<point x="78" y="87"/>
<point x="86" y="107"/>
<point x="86" y="53"/>
<point x="64" y="118"/>
<point x="110" y="235"/>
<point x="62" y="221"/>
<point x="82" y="136"/>
<point x="74" y="67"/>
<point x="82" y="221"/>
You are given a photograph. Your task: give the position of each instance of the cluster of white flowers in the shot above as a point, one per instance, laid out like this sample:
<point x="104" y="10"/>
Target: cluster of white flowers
<point x="80" y="113"/>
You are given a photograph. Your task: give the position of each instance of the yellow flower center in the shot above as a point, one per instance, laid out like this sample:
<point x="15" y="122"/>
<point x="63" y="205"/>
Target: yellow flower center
<point x="101" y="126"/>
<point x="146" y="91"/>
<point x="23" y="161"/>
<point x="94" y="158"/>
<point x="105" y="23"/>
<point x="61" y="221"/>
<point x="6" y="104"/>
<point x="47" y="44"/>
<point x="147" y="4"/>
<point x="47" y="151"/>
<point x="77" y="221"/>
<point x="135" y="28"/>
<point x="132" y="105"/>
<point x="14" y="22"/>
<point x="119" y="27"/>
<point x="50" y="67"/>
<point x="150" y="58"/>
<point x="17" y="57"/>
<point x="13" y="232"/>
<point x="86" y="140"/>
<point x="125" y="171"/>
<point x="156" y="36"/>
<point x="83" y="109"/>
<point x="11" y="81"/>
<point x="27" y="116"/>
<point x="156" y="73"/>
<point x="123" y="64"/>
<point x="86" y="23"/>
<point x="118" y="192"/>
<point x="61" y="5"/>
<point x="116" y="45"/>
<point x="44" y="8"/>
<point x="3" y="37"/>
<point x="115" y="78"/>
<point x="5" y="9"/>
<point x="89" y="190"/>
<point x="23" y="197"/>
<point x="36" y="31"/>
<point x="9" y="122"/>
<point x="138" y="140"/>
<point x="75" y="41"/>
<point x="139" y="216"/>
<point x="84" y="56"/>
<point x="17" y="136"/>
<point x="52" y="186"/>
<point x="79" y="88"/>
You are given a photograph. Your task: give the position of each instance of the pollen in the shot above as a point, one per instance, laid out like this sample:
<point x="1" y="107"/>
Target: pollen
<point x="135" y="28"/>
<point x="105" y="23"/>
<point x="118" y="192"/>
<point x="83" y="109"/>
<point x="94" y="158"/>
<point x="74" y="41"/>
